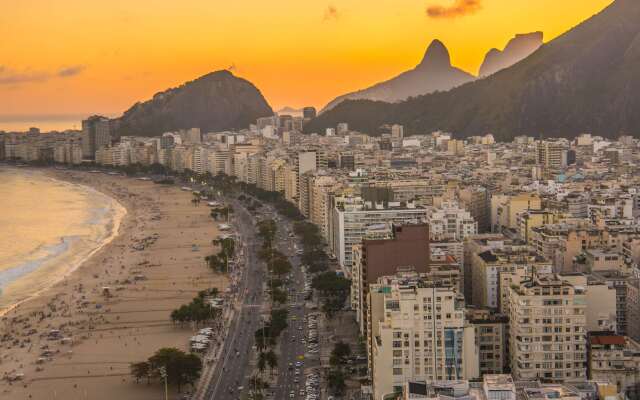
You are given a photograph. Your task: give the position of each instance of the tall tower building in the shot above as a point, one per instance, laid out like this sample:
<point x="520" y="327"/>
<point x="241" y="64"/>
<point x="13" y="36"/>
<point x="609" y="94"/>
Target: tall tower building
<point x="309" y="112"/>
<point x="418" y="332"/>
<point x="547" y="338"/>
<point x="96" y="133"/>
<point x="551" y="155"/>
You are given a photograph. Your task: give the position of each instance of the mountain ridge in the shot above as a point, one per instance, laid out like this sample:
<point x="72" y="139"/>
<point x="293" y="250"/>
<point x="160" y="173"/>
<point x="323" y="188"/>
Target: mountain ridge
<point x="212" y="102"/>
<point x="517" y="49"/>
<point x="433" y="73"/>
<point x="585" y="80"/>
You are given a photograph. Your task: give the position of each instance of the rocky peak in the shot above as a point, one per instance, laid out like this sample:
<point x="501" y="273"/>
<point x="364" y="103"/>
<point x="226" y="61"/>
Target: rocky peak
<point x="436" y="55"/>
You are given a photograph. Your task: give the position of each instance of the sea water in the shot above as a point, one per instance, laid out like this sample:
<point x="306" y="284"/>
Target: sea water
<point x="48" y="228"/>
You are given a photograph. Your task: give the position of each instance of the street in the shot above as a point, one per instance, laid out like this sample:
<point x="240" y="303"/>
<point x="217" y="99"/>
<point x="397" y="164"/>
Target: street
<point x="232" y="370"/>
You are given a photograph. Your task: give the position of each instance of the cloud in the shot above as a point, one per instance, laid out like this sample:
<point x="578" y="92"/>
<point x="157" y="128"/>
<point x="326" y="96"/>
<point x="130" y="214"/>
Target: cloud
<point x="67" y="72"/>
<point x="459" y="8"/>
<point x="331" y="13"/>
<point x="10" y="77"/>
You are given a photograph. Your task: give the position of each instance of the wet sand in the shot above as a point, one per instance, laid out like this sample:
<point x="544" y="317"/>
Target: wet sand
<point x="162" y="241"/>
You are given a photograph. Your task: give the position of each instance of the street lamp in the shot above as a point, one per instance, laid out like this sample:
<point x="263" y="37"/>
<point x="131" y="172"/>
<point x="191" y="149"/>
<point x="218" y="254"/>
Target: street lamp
<point x="163" y="375"/>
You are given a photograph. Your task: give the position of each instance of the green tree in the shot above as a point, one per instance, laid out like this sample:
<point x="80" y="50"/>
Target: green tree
<point x="141" y="370"/>
<point x="336" y="383"/>
<point x="334" y="290"/>
<point x="272" y="360"/>
<point x="262" y="362"/>
<point x="181" y="368"/>
<point x="279" y="266"/>
<point x="278" y="296"/>
<point x="341" y="351"/>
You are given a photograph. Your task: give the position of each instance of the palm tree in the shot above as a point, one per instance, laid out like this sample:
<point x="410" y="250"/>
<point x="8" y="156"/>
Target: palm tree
<point x="262" y="362"/>
<point x="272" y="360"/>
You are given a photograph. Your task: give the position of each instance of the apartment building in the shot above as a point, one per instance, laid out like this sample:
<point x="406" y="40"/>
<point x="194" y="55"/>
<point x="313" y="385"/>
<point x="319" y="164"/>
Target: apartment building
<point x="449" y="221"/>
<point x="321" y="189"/>
<point x="384" y="250"/>
<point x="491" y="334"/>
<point x="551" y="155"/>
<point x="547" y="335"/>
<point x="352" y="217"/>
<point x="417" y="332"/>
<point x="96" y="133"/>
<point x="614" y="359"/>
<point x="506" y="208"/>
<point x="488" y="265"/>
<point x="476" y="200"/>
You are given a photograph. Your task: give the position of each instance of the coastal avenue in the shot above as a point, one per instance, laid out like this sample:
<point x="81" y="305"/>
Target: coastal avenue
<point x="291" y="378"/>
<point x="232" y="369"/>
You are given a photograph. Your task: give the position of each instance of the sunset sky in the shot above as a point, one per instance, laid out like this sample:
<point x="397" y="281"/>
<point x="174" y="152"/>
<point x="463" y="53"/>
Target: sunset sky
<point x="97" y="56"/>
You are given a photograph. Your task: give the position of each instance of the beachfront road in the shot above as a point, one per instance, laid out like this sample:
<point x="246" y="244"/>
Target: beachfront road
<point x="291" y="376"/>
<point x="232" y="370"/>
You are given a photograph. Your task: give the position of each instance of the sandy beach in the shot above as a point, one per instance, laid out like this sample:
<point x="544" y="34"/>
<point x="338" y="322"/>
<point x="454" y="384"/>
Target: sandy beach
<point x="155" y="264"/>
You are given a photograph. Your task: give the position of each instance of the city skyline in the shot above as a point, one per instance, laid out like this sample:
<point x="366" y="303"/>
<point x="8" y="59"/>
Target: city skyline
<point x="103" y="62"/>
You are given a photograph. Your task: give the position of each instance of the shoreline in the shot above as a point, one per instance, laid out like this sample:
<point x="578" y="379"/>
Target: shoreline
<point x="152" y="266"/>
<point x="115" y="221"/>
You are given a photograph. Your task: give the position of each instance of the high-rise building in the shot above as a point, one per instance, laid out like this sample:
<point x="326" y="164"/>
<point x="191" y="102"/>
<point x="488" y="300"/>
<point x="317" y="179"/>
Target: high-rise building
<point x="449" y="221"/>
<point x="96" y="133"/>
<point x="343" y="128"/>
<point x="397" y="131"/>
<point x="397" y="248"/>
<point x="320" y="211"/>
<point x="417" y="332"/>
<point x="308" y="160"/>
<point x="551" y="155"/>
<point x="2" y="151"/>
<point x="309" y="112"/>
<point x="351" y="219"/>
<point x="491" y="335"/>
<point x="547" y="329"/>
<point x="455" y="147"/>
<point x="347" y="161"/>
<point x="192" y="136"/>
<point x="477" y="201"/>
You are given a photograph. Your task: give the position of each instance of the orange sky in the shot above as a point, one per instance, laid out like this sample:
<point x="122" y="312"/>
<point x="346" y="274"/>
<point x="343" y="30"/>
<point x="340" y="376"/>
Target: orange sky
<point x="101" y="56"/>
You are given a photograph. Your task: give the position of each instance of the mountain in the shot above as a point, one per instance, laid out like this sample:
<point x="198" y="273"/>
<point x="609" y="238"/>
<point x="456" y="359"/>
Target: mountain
<point x="518" y="48"/>
<point x="586" y="80"/>
<point x="435" y="72"/>
<point x="214" y="102"/>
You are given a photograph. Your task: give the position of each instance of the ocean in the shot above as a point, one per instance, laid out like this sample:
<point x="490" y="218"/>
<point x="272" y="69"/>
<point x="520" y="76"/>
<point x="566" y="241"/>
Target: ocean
<point x="47" y="229"/>
<point x="44" y="123"/>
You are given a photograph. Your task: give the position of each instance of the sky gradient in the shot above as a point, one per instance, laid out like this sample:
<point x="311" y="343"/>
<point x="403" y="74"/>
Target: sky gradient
<point x="97" y="56"/>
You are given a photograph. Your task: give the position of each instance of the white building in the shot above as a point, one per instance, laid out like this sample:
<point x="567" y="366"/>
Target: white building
<point x="352" y="218"/>
<point x="450" y="221"/>
<point x="417" y="332"/>
<point x="547" y="329"/>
